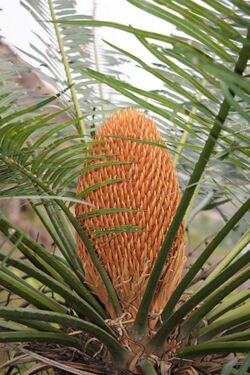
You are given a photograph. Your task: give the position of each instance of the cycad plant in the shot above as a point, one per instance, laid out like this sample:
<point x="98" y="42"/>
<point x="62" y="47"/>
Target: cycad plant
<point x="115" y="292"/>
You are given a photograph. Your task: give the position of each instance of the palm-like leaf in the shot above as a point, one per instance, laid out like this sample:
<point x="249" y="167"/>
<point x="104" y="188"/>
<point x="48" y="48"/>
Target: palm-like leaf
<point x="222" y="85"/>
<point x="196" y="90"/>
<point x="203" y="113"/>
<point x="64" y="62"/>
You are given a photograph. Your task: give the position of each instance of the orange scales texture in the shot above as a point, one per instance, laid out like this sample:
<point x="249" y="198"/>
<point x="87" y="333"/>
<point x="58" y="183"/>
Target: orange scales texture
<point x="151" y="185"/>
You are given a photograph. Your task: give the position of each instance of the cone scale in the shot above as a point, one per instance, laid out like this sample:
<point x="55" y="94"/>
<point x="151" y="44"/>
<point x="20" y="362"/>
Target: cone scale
<point x="150" y="186"/>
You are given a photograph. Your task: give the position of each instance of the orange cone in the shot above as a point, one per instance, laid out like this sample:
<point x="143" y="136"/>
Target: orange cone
<point x="151" y="186"/>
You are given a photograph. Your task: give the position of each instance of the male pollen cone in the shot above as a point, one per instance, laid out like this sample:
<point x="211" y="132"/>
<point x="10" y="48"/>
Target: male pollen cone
<point x="151" y="186"/>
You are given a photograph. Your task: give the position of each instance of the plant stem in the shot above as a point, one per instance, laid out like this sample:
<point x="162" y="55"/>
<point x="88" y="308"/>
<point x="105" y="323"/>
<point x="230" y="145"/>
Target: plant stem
<point x="156" y="344"/>
<point x="80" y="125"/>
<point x="119" y="353"/>
<point x="177" y="155"/>
<point x="147" y="367"/>
<point x="244" y="241"/>
<point x="167" y="311"/>
<point x="30" y="336"/>
<point x="97" y="63"/>
<point x="103" y="274"/>
<point x="140" y="324"/>
<point x="229" y="320"/>
<point x="44" y="220"/>
<point x="215" y="347"/>
<point x="185" y="134"/>
<point x="43" y="260"/>
<point x="228" y="304"/>
<point x="213" y="301"/>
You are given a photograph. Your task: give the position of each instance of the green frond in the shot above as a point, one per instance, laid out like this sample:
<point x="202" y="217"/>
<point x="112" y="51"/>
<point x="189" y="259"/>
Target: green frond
<point x="201" y="107"/>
